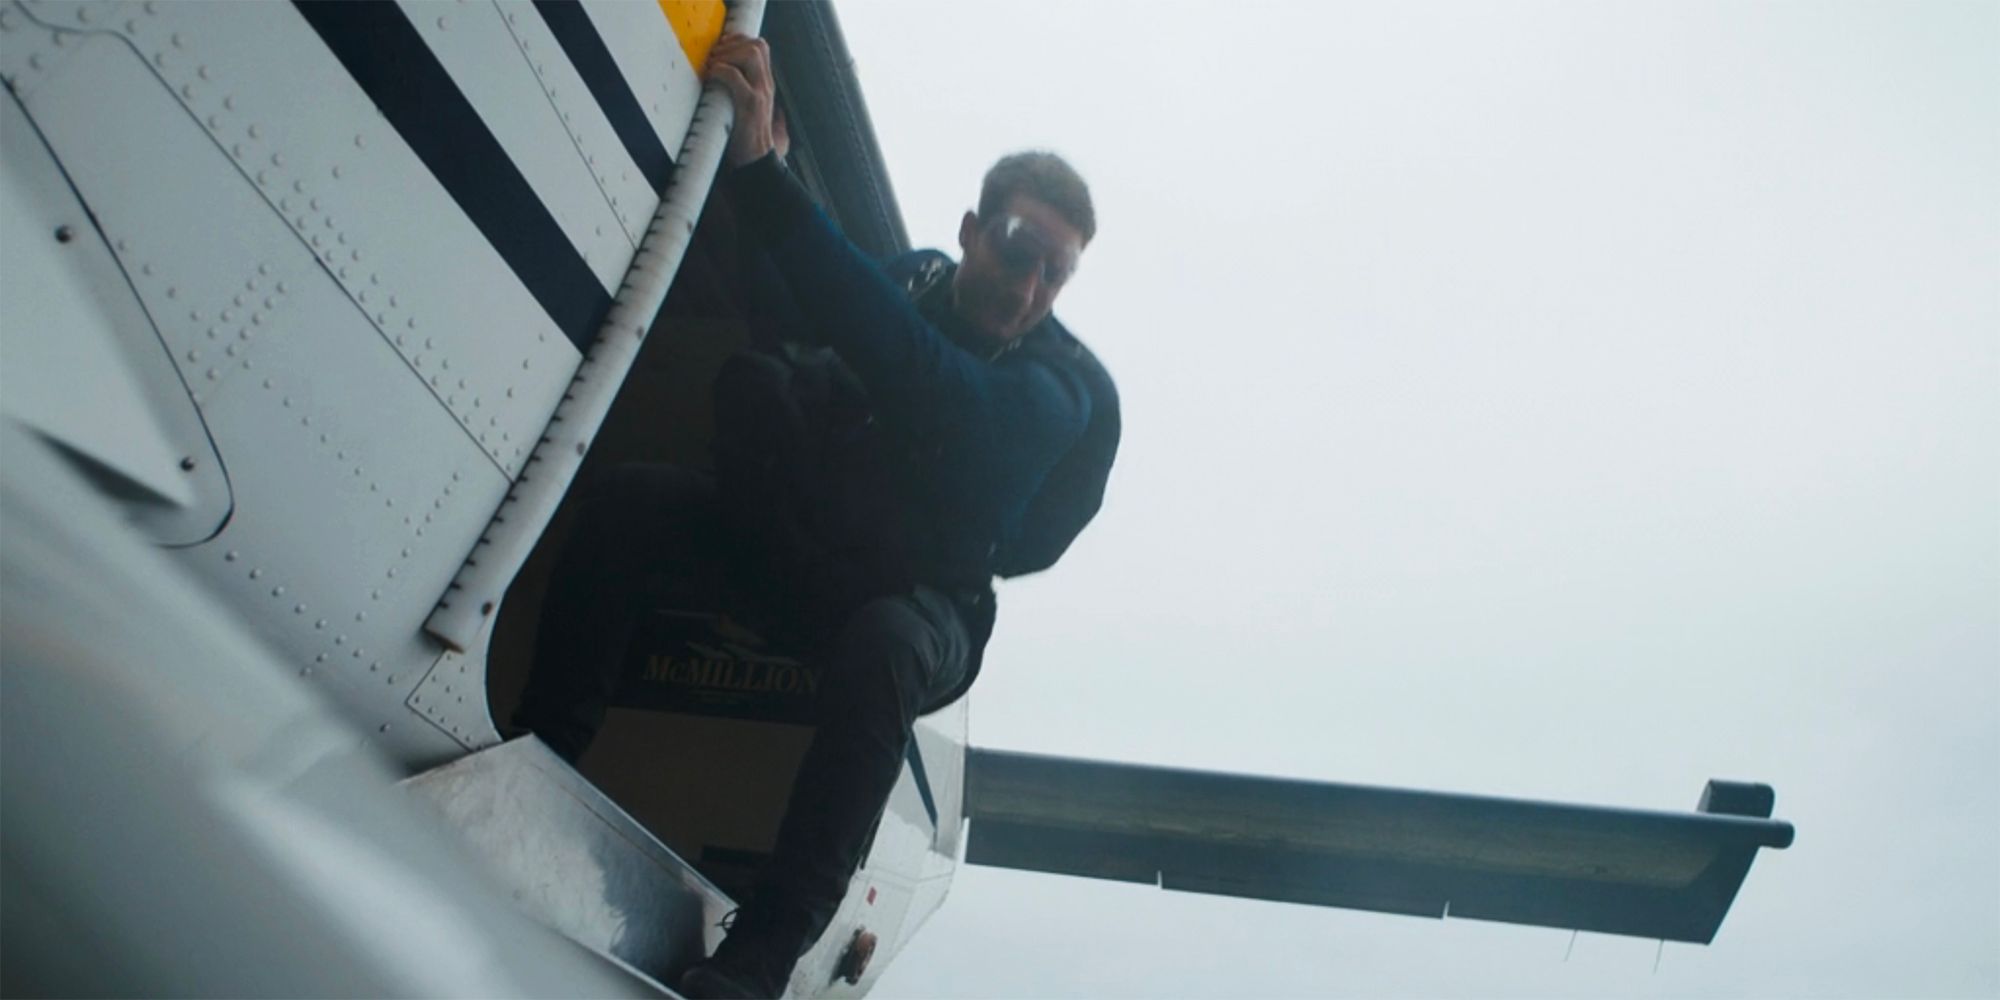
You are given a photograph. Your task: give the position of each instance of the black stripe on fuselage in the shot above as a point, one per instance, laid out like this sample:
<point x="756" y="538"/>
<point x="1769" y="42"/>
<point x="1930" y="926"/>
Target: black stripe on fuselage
<point x="579" y="39"/>
<point x="388" y="58"/>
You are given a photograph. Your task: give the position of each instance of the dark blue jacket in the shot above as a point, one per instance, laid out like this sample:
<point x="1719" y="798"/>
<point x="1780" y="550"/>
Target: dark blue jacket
<point x="1006" y="455"/>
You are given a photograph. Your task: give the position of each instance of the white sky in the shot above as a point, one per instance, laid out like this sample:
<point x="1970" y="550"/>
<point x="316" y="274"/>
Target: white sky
<point x="1572" y="401"/>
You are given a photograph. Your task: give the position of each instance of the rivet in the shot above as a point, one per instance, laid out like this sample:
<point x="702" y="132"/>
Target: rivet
<point x="228" y="315"/>
<point x="286" y="402"/>
<point x="360" y="616"/>
<point x="392" y="572"/>
<point x="406" y="553"/>
<point x="213" y="375"/>
<point x="374" y="595"/>
<point x="187" y="91"/>
<point x="384" y="729"/>
<point x="159" y="58"/>
<point x="255" y="573"/>
<point x="357" y="256"/>
<point x="344" y="274"/>
<point x="412" y="324"/>
<point x="336" y="170"/>
<point x="193" y="356"/>
<point x="360" y="142"/>
<point x="256" y="319"/>
<point x="187" y="464"/>
<point x="177" y="41"/>
<point x="230" y="350"/>
<point x="229" y="556"/>
<point x="229" y="102"/>
<point x="124" y="246"/>
<point x="451" y="401"/>
<point x="268" y="384"/>
<point x="237" y="299"/>
<point x="299" y="186"/>
<point x="340" y="640"/>
<point x="363" y="296"/>
<point x="374" y="279"/>
<point x="35" y="60"/>
<point x="173" y="292"/>
<point x="510" y="392"/>
<point x="146" y="269"/>
<point x="486" y="609"/>
<point x="444" y="24"/>
<point x="243" y="333"/>
<point x="402" y="340"/>
<point x="318" y="624"/>
<point x="201" y="71"/>
<point x="581" y="447"/>
<point x="318" y="241"/>
<point x="282" y="288"/>
<point x="277" y="591"/>
<point x="321" y="658"/>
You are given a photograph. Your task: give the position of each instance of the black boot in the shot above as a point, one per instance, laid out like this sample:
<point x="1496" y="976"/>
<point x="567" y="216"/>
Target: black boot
<point x="754" y="961"/>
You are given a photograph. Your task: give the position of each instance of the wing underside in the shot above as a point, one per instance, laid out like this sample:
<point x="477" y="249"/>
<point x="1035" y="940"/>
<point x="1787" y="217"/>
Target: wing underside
<point x="1660" y="875"/>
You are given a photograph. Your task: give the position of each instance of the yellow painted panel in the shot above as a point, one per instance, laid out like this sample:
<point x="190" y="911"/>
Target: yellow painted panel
<point x="697" y="23"/>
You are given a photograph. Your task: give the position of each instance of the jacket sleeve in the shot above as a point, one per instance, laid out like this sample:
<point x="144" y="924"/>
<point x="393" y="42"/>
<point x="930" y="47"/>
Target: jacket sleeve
<point x="1020" y="417"/>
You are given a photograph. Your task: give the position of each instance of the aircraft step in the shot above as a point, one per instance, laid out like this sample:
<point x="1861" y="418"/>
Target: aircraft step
<point x="574" y="860"/>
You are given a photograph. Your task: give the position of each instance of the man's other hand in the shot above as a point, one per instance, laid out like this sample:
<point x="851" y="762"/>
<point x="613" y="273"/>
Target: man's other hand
<point x="743" y="64"/>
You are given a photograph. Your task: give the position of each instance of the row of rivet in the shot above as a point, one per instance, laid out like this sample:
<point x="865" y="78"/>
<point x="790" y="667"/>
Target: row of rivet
<point x="633" y="227"/>
<point x="300" y="204"/>
<point x="431" y="709"/>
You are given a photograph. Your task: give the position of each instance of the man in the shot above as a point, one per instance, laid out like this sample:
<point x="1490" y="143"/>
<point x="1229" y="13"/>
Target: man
<point x="987" y="436"/>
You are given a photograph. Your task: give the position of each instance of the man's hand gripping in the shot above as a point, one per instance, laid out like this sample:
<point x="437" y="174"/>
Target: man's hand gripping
<point x="743" y="64"/>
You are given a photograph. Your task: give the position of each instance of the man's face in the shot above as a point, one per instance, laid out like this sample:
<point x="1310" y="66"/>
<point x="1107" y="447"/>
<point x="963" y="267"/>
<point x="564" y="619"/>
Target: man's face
<point x="1015" y="262"/>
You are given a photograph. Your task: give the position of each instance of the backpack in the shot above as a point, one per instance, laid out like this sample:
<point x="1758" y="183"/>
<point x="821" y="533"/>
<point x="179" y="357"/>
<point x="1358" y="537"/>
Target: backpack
<point x="805" y="481"/>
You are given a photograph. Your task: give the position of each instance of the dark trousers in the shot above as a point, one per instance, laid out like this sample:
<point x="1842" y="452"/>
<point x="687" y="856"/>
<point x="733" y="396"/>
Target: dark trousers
<point x="651" y="534"/>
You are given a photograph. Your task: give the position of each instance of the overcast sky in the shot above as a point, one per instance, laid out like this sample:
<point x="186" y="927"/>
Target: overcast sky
<point x="1572" y="401"/>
